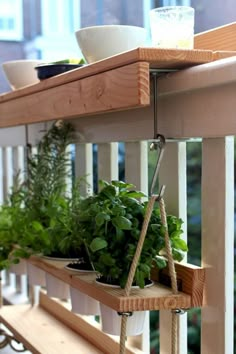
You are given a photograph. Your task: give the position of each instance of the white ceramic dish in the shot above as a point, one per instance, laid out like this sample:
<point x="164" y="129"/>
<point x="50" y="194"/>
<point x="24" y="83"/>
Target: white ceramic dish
<point x="100" y="42"/>
<point x="21" y="73"/>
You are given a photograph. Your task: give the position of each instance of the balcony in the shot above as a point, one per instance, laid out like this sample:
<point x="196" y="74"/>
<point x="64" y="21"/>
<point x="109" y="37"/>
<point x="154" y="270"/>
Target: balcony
<point x="113" y="101"/>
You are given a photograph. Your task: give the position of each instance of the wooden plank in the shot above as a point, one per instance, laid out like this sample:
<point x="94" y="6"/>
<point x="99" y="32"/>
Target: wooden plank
<point x="81" y="325"/>
<point x="56" y="268"/>
<point x="32" y="325"/>
<point x="194" y="108"/>
<point x="191" y="280"/>
<point x="136" y="165"/>
<point x="174" y="58"/>
<point x="173" y="176"/>
<point x="218" y="245"/>
<point x="107" y="162"/>
<point x="42" y="333"/>
<point x="122" y="88"/>
<point x="136" y="172"/>
<point x="157" y="57"/>
<point x="219" y="38"/>
<point x="84" y="167"/>
<point x="154" y="298"/>
<point x="223" y="54"/>
<point x="69" y="333"/>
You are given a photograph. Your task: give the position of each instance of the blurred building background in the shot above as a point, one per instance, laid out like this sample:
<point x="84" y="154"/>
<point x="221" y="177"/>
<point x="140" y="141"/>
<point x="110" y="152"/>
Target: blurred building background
<point x="45" y="29"/>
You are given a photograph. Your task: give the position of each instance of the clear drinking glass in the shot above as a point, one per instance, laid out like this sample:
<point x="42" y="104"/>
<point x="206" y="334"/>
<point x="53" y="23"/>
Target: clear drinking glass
<point x="172" y="27"/>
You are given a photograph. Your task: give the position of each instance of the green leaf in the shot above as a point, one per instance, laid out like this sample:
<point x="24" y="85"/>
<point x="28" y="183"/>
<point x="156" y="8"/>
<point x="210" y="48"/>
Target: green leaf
<point x="145" y="268"/>
<point x="177" y="255"/>
<point x="176" y="234"/>
<point x="107" y="259"/>
<point x="140" y="278"/>
<point x="98" y="244"/>
<point x="122" y="223"/>
<point x="101" y="218"/>
<point x="122" y="185"/>
<point x="160" y="262"/>
<point x="134" y="194"/>
<point x="180" y="244"/>
<point x="108" y="192"/>
<point x="37" y="226"/>
<point x="155" y="228"/>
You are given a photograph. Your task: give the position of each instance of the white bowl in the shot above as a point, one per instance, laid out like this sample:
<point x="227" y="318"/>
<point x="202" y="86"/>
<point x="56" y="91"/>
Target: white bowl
<point x="21" y="73"/>
<point x="100" y="42"/>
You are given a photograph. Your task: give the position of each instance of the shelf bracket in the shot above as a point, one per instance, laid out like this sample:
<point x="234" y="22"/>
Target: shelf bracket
<point x="5" y="337"/>
<point x="9" y="339"/>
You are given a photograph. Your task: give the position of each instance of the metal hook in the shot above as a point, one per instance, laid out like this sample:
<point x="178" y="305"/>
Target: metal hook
<point x="179" y="311"/>
<point x="159" y="143"/>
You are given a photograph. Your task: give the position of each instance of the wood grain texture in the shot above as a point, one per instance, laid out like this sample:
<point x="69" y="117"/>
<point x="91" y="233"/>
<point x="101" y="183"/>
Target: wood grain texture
<point x="50" y="328"/>
<point x="191" y="280"/>
<point x="218" y="245"/>
<point x="161" y="58"/>
<point x="123" y="88"/>
<point x="41" y="333"/>
<point x="82" y="325"/>
<point x="154" y="298"/>
<point x="223" y="54"/>
<point x="219" y="38"/>
<point x="157" y="57"/>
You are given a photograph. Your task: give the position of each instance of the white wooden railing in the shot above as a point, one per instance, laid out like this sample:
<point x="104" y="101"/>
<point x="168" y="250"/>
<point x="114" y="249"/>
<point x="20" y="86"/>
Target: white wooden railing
<point x="191" y="105"/>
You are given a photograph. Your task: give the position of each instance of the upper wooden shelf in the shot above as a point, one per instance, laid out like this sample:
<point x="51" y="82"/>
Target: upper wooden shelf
<point x="156" y="57"/>
<point x="157" y="297"/>
<point x="122" y="83"/>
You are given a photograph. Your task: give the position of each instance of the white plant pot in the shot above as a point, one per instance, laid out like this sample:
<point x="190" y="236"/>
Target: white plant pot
<point x="57" y="288"/>
<point x="83" y="304"/>
<point x="19" y="268"/>
<point x="36" y="276"/>
<point x="111" y="321"/>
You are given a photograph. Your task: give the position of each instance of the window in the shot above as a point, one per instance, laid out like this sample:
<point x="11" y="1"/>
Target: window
<point x="11" y="20"/>
<point x="60" y="17"/>
<point x="60" y="20"/>
<point x="176" y="3"/>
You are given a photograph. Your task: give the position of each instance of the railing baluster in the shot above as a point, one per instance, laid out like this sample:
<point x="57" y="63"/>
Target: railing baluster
<point x="136" y="172"/>
<point x="218" y="244"/>
<point x="84" y="166"/>
<point x="173" y="176"/>
<point x="108" y="161"/>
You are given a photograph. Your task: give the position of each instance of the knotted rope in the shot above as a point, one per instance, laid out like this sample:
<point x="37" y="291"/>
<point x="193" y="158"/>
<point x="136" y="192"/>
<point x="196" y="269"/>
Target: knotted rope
<point x="173" y="277"/>
<point x="171" y="266"/>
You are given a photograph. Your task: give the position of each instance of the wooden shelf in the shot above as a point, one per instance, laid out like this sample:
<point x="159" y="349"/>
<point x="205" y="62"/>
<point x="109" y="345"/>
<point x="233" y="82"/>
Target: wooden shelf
<point x="117" y="83"/>
<point x="157" y="297"/>
<point x="50" y="328"/>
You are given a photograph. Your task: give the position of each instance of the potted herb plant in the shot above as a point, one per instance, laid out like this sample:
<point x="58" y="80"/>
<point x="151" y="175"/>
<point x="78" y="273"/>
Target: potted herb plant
<point x="11" y="216"/>
<point x="110" y="225"/>
<point x="49" y="206"/>
<point x="44" y="215"/>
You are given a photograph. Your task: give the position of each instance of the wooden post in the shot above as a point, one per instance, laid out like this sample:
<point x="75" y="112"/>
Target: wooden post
<point x="218" y="245"/>
<point x="173" y="176"/>
<point x="136" y="172"/>
<point x="108" y="161"/>
<point x="84" y="166"/>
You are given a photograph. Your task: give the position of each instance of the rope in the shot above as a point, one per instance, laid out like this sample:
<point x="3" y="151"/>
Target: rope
<point x="133" y="268"/>
<point x="1" y="297"/>
<point x="171" y="266"/>
<point x="173" y="277"/>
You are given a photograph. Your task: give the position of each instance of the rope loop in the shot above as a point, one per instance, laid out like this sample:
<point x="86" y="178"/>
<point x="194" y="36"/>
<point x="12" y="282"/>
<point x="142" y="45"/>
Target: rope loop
<point x="179" y="311"/>
<point x="126" y="314"/>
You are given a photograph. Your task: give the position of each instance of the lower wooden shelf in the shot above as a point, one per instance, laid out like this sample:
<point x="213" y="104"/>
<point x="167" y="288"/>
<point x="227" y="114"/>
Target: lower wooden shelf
<point x="157" y="297"/>
<point x="50" y="328"/>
